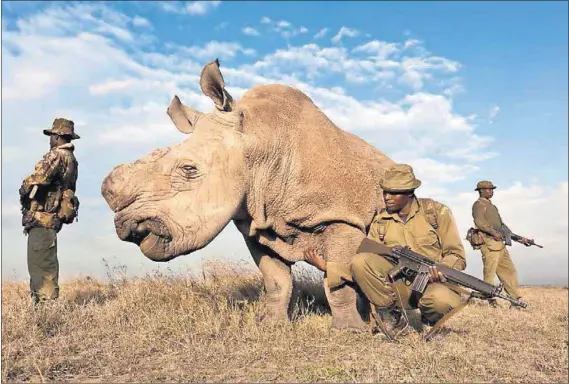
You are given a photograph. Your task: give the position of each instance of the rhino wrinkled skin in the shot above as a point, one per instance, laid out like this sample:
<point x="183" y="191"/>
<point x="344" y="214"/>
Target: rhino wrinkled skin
<point x="272" y="163"/>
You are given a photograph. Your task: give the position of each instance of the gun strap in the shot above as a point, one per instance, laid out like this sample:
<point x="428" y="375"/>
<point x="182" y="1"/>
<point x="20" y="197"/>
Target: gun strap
<point x="436" y="328"/>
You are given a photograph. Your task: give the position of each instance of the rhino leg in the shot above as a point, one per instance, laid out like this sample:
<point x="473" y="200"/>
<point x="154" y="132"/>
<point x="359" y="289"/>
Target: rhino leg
<point x="341" y="247"/>
<point x="277" y="278"/>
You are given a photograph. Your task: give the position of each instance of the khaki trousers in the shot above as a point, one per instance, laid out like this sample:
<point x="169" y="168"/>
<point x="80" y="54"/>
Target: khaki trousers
<point x="370" y="272"/>
<point x="499" y="263"/>
<point x="43" y="265"/>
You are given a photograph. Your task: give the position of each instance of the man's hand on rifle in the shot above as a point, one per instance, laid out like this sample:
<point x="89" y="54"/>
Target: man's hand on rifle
<point x="526" y="242"/>
<point x="497" y="236"/>
<point x="435" y="276"/>
<point x="314" y="258"/>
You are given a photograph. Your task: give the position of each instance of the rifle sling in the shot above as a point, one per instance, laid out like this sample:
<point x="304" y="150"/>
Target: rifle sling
<point x="435" y="329"/>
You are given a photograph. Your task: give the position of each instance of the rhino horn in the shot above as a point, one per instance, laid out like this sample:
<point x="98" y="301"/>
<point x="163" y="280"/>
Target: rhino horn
<point x="183" y="117"/>
<point x="213" y="86"/>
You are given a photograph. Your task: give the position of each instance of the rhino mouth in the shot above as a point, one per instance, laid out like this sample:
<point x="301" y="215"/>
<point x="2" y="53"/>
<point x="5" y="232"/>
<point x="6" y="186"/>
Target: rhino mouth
<point x="150" y="234"/>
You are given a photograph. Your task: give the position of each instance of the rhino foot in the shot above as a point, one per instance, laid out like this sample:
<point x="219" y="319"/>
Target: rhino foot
<point x="348" y="322"/>
<point x="345" y="315"/>
<point x="274" y="317"/>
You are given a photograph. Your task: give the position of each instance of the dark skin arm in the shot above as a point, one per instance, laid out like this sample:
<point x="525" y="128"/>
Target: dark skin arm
<point x="435" y="276"/>
<point x="314" y="258"/>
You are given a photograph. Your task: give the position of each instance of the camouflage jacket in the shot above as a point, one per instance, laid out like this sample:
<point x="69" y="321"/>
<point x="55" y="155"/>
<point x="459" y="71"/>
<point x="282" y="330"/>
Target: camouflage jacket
<point x="54" y="173"/>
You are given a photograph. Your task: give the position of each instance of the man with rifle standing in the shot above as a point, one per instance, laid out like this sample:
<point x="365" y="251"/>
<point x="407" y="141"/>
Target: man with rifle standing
<point x="493" y="236"/>
<point x="428" y="228"/>
<point x="48" y="201"/>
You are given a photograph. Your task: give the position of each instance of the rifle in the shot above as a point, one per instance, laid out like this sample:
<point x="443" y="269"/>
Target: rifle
<point x="414" y="265"/>
<point x="509" y="236"/>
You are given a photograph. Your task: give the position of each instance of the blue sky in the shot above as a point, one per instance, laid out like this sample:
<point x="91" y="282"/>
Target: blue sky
<point x="474" y="90"/>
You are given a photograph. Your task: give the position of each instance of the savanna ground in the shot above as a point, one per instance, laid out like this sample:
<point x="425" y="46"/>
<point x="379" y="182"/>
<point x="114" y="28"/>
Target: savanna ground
<point x="182" y="328"/>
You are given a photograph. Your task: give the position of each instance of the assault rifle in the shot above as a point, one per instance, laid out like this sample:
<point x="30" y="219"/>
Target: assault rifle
<point x="509" y="236"/>
<point x="413" y="265"/>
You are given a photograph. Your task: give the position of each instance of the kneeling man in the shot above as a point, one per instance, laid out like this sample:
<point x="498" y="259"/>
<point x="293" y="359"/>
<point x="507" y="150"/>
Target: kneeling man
<point x="424" y="225"/>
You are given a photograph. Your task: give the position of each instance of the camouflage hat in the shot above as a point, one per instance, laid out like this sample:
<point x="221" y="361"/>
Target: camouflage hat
<point x="400" y="178"/>
<point x="485" y="184"/>
<point x="62" y="127"/>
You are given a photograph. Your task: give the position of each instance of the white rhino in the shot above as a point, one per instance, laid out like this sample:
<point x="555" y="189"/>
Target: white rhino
<point x="272" y="163"/>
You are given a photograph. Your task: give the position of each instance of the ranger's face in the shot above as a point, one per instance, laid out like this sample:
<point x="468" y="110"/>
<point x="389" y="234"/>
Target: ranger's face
<point x="53" y="141"/>
<point x="487" y="193"/>
<point x="395" y="202"/>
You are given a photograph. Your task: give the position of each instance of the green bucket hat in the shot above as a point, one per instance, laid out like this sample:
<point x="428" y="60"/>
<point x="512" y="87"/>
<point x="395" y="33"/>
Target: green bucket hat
<point x="400" y="178"/>
<point x="62" y="127"/>
<point x="484" y="184"/>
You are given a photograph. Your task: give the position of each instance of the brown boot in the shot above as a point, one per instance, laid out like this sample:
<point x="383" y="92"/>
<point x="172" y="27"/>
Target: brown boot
<point x="391" y="321"/>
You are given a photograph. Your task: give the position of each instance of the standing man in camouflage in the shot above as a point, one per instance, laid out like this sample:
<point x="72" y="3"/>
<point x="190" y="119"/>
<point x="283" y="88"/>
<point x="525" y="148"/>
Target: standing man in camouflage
<point x="427" y="227"/>
<point x="495" y="255"/>
<point x="48" y="201"/>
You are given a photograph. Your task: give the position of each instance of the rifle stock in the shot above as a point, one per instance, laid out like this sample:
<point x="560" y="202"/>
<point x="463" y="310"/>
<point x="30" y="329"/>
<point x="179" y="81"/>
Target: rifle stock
<point x="416" y="266"/>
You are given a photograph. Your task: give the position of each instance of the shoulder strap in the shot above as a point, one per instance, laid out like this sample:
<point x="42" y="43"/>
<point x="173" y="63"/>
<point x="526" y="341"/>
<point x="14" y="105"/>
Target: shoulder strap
<point x="428" y="208"/>
<point x="381" y="227"/>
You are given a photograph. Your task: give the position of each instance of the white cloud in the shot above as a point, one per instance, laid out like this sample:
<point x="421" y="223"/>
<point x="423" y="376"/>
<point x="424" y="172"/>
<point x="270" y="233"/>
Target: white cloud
<point x="345" y="31"/>
<point x="250" y="31"/>
<point x="189" y="8"/>
<point x="321" y="33"/>
<point x="493" y="113"/>
<point x="140" y="22"/>
<point x="216" y="49"/>
<point x="283" y="24"/>
<point x="120" y="94"/>
<point x="381" y="49"/>
<point x="284" y="28"/>
<point x="411" y="43"/>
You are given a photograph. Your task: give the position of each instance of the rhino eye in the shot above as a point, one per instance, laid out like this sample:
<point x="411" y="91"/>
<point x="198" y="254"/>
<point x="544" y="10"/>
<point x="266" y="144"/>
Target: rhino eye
<point x="190" y="171"/>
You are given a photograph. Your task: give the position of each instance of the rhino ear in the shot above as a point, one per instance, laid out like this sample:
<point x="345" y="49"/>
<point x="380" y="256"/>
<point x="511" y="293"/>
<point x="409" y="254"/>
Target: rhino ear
<point x="183" y="117"/>
<point x="213" y="86"/>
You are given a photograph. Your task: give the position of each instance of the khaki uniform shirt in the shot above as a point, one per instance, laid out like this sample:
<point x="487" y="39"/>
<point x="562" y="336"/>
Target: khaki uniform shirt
<point x="486" y="216"/>
<point x="443" y="245"/>
<point x="487" y="219"/>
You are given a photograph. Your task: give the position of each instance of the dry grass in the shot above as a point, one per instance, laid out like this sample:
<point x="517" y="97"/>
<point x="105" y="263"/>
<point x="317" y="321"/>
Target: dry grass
<point x="179" y="328"/>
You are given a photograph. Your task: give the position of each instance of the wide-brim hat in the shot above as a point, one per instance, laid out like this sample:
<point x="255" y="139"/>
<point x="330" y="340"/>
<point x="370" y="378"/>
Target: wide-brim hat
<point x="62" y="127"/>
<point x="484" y="184"/>
<point x="400" y="178"/>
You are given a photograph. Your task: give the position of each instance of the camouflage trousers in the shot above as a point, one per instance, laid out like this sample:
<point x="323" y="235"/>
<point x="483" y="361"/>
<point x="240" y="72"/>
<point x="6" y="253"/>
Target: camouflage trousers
<point x="43" y="265"/>
<point x="498" y="262"/>
<point x="370" y="272"/>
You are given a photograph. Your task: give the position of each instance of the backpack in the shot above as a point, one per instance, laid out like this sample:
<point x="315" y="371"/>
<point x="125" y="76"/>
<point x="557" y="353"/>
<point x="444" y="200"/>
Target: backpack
<point x="68" y="207"/>
<point x="427" y="207"/>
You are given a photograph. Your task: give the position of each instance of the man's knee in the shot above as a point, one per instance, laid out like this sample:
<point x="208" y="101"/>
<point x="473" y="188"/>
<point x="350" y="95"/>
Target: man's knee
<point x="360" y="264"/>
<point x="438" y="300"/>
<point x="366" y="263"/>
